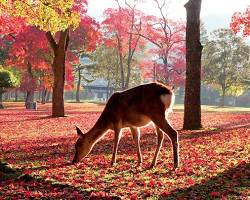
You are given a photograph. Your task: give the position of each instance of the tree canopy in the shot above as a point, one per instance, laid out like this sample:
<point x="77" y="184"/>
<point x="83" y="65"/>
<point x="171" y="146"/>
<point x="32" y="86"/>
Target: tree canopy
<point x="225" y="61"/>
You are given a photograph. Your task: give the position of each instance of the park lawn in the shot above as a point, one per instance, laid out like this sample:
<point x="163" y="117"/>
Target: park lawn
<point x="214" y="161"/>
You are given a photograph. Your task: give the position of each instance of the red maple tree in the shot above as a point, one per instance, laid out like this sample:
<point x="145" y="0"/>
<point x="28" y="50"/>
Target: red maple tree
<point x="30" y="53"/>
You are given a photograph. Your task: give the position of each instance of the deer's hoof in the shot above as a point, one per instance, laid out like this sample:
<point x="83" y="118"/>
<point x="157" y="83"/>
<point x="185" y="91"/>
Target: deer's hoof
<point x="175" y="167"/>
<point x="139" y="164"/>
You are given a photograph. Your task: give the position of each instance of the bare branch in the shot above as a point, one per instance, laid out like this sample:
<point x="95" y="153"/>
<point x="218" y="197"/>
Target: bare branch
<point x="151" y="40"/>
<point x="131" y="7"/>
<point x="118" y="3"/>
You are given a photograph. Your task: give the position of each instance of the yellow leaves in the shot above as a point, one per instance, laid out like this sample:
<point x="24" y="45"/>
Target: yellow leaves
<point x="3" y="5"/>
<point x="48" y="15"/>
<point x="4" y="2"/>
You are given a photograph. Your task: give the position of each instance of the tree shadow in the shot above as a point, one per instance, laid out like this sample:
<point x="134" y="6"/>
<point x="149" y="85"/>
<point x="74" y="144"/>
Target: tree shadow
<point x="214" y="131"/>
<point x="25" y="184"/>
<point x="233" y="183"/>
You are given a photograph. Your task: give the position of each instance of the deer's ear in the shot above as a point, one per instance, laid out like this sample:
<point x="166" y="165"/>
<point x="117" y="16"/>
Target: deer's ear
<point x="79" y="132"/>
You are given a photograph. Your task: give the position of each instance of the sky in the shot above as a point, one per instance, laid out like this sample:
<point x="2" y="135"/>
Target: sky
<point x="214" y="13"/>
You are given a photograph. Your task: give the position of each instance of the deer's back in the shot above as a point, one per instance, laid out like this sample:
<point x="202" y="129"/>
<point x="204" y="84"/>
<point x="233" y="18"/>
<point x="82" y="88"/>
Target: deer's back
<point x="132" y="104"/>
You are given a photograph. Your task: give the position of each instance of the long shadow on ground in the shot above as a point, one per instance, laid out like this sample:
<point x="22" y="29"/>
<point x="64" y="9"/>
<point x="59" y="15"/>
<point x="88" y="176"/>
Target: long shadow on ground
<point x="15" y="185"/>
<point x="233" y="184"/>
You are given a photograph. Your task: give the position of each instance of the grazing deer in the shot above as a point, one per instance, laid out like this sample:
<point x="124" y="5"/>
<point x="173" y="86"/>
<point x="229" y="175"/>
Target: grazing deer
<point x="133" y="108"/>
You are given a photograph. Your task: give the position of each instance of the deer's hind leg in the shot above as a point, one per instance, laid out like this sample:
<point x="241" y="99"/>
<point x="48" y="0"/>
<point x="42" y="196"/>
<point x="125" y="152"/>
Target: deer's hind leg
<point x="136" y="137"/>
<point x="160" y="121"/>
<point x="160" y="138"/>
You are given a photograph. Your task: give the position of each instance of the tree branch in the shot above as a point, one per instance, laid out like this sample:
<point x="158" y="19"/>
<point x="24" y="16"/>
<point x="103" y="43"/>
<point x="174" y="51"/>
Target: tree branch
<point x="63" y="39"/>
<point x="67" y="41"/>
<point x="52" y="41"/>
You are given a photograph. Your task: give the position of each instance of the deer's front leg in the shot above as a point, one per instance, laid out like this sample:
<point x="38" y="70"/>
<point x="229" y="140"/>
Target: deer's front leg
<point x="136" y="137"/>
<point x="160" y="137"/>
<point x="163" y="124"/>
<point x="116" y="142"/>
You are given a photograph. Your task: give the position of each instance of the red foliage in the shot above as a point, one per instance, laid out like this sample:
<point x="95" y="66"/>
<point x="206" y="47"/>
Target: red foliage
<point x="168" y="39"/>
<point x="123" y="24"/>
<point x="214" y="162"/>
<point x="241" y="22"/>
<point x="30" y="48"/>
<point x="11" y="25"/>
<point x="87" y="36"/>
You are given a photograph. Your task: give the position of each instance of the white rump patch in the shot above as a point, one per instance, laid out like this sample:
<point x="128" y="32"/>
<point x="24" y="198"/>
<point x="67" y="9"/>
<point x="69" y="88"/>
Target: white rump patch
<point x="168" y="101"/>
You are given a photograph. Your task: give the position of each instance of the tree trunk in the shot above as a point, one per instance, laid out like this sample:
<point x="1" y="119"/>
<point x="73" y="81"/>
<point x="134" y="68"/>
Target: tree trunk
<point x="30" y="92"/>
<point x="167" y="72"/>
<point x="222" y="99"/>
<point x="121" y="62"/>
<point x="48" y="96"/>
<point x="128" y="74"/>
<point x="192" y="107"/>
<point x="16" y="95"/>
<point x="6" y="96"/>
<point x="58" y="67"/>
<point x="44" y="93"/>
<point x="108" y="78"/>
<point x="58" y="85"/>
<point x="1" y="98"/>
<point x="39" y="95"/>
<point x="78" y="86"/>
<point x="29" y="98"/>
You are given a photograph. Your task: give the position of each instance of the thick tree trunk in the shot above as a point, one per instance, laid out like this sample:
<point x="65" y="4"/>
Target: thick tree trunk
<point x="30" y="92"/>
<point x="58" y="85"/>
<point x="58" y="67"/>
<point x="192" y="107"/>
<point x="29" y="98"/>
<point x="78" y="86"/>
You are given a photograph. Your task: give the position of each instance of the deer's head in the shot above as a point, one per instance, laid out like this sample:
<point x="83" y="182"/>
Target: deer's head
<point x="82" y="147"/>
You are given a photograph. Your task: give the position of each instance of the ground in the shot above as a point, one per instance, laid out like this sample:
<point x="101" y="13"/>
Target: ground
<point x="36" y="152"/>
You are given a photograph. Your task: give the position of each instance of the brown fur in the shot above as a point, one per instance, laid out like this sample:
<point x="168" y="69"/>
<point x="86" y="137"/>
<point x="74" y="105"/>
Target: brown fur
<point x="132" y="108"/>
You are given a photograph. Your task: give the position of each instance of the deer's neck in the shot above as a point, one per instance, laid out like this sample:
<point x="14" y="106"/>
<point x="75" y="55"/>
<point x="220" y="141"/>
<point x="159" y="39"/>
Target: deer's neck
<point x="99" y="129"/>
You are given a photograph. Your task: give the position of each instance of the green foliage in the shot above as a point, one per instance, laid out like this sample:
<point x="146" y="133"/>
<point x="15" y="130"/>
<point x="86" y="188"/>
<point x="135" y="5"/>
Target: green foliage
<point x="8" y="79"/>
<point x="108" y="67"/>
<point x="225" y="62"/>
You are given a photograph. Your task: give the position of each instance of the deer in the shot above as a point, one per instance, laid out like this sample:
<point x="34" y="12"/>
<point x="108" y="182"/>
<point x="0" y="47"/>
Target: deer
<point x="133" y="109"/>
